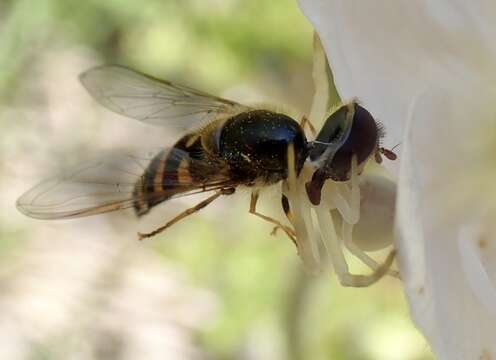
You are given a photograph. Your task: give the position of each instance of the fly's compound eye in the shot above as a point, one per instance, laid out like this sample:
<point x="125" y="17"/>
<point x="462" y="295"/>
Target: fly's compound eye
<point x="349" y="131"/>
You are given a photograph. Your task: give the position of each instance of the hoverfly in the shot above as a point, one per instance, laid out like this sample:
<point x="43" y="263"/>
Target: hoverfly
<point x="226" y="145"/>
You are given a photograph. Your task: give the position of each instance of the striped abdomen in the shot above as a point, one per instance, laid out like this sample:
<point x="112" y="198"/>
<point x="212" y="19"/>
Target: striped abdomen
<point x="185" y="167"/>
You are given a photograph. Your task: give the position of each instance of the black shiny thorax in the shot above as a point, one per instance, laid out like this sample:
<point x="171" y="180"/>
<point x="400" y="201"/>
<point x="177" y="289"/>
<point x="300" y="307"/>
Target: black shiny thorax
<point x="255" y="144"/>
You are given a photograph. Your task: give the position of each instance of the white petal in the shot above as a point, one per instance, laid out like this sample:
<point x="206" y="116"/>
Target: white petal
<point x="446" y="206"/>
<point x="386" y="52"/>
<point x="478" y="255"/>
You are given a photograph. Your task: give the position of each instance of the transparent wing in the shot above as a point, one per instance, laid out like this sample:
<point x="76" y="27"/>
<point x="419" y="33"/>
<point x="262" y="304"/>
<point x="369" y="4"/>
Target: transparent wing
<point x="160" y="102"/>
<point x="105" y="185"/>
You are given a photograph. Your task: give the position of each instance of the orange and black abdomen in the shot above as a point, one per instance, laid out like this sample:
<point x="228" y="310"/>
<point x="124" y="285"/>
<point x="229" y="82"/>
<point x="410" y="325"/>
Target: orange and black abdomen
<point x="170" y="173"/>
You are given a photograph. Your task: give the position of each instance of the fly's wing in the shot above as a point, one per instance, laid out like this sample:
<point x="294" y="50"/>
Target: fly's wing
<point x="110" y="184"/>
<point x="159" y="102"/>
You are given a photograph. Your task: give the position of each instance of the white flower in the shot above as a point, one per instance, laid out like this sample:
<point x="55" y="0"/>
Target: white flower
<point x="427" y="71"/>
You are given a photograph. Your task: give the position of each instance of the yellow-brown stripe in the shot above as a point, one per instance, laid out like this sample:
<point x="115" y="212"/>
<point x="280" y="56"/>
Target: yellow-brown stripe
<point x="158" y="179"/>
<point x="183" y="174"/>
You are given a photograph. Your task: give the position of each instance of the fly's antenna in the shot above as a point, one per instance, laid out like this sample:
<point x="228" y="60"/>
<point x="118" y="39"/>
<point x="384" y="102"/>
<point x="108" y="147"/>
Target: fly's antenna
<point x="388" y="153"/>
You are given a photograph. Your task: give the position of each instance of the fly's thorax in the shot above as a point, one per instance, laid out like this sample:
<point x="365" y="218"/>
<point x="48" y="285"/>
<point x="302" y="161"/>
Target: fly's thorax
<point x="255" y="144"/>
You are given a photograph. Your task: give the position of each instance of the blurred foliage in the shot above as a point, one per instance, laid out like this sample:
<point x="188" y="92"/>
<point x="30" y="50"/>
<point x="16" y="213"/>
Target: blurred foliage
<point x="268" y="305"/>
<point x="211" y="42"/>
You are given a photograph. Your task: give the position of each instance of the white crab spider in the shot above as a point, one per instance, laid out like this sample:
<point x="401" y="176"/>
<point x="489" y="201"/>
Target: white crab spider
<point x="342" y="205"/>
<point x="336" y="218"/>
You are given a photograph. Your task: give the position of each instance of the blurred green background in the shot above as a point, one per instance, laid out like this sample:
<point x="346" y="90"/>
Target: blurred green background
<point x="217" y="285"/>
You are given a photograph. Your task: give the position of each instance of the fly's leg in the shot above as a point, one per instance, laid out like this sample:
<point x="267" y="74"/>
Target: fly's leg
<point x="287" y="210"/>
<point x="306" y="122"/>
<point x="187" y="212"/>
<point x="253" y="210"/>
